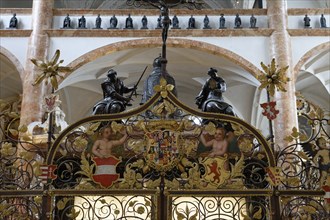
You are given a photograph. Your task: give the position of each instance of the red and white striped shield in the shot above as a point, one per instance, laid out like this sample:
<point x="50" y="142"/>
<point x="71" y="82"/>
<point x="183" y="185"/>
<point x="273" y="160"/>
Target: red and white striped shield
<point x="105" y="173"/>
<point x="326" y="189"/>
<point x="47" y="172"/>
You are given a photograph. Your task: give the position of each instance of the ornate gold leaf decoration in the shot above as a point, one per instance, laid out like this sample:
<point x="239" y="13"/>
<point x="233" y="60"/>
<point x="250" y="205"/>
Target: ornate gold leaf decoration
<point x="50" y="70"/>
<point x="131" y="177"/>
<point x="92" y="128"/>
<point x="163" y="87"/>
<point x="194" y="180"/>
<point x="7" y="149"/>
<point x="295" y="135"/>
<point x="86" y="168"/>
<point x="210" y="128"/>
<point x="273" y="78"/>
<point x="116" y="127"/>
<point x="164" y="108"/>
<point x="237" y="169"/>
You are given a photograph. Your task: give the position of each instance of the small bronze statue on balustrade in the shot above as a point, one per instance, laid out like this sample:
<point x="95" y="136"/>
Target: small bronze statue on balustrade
<point x="159" y="22"/>
<point x="238" y="21"/>
<point x="175" y="22"/>
<point x="98" y="22"/>
<point x="113" y="22"/>
<point x="113" y="100"/>
<point x="144" y="22"/>
<point x="210" y="97"/>
<point x="129" y="22"/>
<point x="191" y="23"/>
<point x="307" y="22"/>
<point x="253" y="21"/>
<point x="206" y="22"/>
<point x="323" y="21"/>
<point x="222" y="22"/>
<point x="13" y="22"/>
<point x="67" y="22"/>
<point x="82" y="22"/>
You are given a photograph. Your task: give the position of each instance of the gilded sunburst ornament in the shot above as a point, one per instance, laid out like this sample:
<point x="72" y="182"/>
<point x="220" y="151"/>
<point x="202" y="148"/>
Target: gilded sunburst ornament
<point x="273" y="78"/>
<point x="51" y="69"/>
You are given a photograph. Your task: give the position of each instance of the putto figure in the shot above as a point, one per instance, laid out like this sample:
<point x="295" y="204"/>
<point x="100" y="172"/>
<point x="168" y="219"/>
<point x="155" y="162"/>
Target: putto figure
<point x="210" y="97"/>
<point x="219" y="144"/>
<point x="113" y="100"/>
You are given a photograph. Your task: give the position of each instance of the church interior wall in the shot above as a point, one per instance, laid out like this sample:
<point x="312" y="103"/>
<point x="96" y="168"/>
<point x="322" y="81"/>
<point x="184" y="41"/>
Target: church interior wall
<point x="300" y="47"/>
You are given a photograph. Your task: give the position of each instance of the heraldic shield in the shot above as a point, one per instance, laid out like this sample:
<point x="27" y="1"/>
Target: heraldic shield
<point x="162" y="149"/>
<point x="216" y="170"/>
<point x="105" y="172"/>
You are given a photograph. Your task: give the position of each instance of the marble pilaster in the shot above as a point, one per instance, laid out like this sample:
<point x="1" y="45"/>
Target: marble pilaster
<point x="42" y="15"/>
<point x="280" y="49"/>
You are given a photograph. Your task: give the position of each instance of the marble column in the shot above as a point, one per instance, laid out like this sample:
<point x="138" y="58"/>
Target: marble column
<point x="42" y="17"/>
<point x="280" y="49"/>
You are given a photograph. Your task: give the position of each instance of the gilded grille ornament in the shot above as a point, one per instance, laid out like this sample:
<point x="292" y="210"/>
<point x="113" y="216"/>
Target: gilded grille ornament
<point x="51" y="69"/>
<point x="273" y="78"/>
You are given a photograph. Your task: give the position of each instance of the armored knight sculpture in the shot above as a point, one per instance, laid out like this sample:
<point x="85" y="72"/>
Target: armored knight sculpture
<point x="113" y="100"/>
<point x="154" y="79"/>
<point x="210" y="97"/>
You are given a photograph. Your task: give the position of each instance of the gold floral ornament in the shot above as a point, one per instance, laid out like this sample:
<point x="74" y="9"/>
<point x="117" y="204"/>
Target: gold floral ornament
<point x="50" y="70"/>
<point x="163" y="87"/>
<point x="273" y="77"/>
<point x="296" y="135"/>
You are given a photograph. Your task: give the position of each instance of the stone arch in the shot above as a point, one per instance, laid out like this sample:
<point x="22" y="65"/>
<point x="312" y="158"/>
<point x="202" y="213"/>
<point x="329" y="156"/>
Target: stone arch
<point x="14" y="60"/>
<point x="171" y="42"/>
<point x="311" y="53"/>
